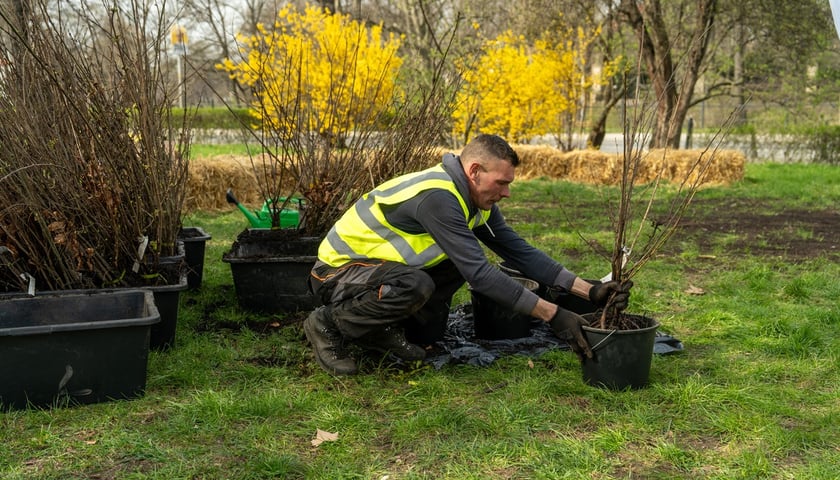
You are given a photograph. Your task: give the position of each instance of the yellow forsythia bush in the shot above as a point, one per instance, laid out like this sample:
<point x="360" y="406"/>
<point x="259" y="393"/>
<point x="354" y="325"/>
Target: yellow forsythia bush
<point x="317" y="71"/>
<point x="520" y="90"/>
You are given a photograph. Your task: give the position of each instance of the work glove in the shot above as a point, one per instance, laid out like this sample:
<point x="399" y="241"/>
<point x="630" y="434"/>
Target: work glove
<point x="600" y="294"/>
<point x="567" y="326"/>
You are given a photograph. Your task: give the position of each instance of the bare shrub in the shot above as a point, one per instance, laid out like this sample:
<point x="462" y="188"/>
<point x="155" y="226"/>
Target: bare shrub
<point x="93" y="164"/>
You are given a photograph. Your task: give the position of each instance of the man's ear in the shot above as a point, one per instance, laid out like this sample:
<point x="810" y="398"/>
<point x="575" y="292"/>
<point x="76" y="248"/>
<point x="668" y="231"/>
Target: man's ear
<point x="474" y="168"/>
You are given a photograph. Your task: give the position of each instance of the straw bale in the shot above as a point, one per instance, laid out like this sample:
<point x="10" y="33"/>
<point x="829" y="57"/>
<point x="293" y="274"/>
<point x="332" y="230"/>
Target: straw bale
<point x="593" y="166"/>
<point x="540" y="161"/>
<point x="600" y="168"/>
<point x="718" y="167"/>
<point x="211" y="177"/>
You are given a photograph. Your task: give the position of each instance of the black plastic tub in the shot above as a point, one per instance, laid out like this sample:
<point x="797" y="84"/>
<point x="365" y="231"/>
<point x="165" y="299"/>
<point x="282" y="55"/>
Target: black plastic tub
<point x="167" y="296"/>
<point x="60" y="349"/>
<point x="195" y="241"/>
<point x="271" y="269"/>
<point x="167" y="299"/>
<point x="273" y="284"/>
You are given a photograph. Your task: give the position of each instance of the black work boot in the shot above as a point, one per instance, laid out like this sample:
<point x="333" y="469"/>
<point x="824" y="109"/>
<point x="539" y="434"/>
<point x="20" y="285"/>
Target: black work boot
<point x="392" y="339"/>
<point x="327" y="343"/>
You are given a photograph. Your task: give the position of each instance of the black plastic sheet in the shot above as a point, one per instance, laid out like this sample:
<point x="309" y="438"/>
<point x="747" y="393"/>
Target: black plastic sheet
<point x="460" y="346"/>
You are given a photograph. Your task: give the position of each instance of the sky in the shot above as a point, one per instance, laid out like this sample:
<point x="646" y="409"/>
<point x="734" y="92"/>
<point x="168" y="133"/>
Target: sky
<point x="835" y="12"/>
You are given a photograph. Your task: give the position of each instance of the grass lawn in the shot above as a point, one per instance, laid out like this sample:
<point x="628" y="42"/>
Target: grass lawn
<point x="753" y="395"/>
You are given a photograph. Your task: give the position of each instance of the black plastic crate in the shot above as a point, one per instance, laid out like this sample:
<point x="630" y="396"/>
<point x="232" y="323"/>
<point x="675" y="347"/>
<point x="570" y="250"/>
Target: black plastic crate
<point x="74" y="348"/>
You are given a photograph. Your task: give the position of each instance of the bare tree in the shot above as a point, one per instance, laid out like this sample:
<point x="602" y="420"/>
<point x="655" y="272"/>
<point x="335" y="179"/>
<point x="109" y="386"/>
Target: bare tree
<point x="94" y="163"/>
<point x="215" y="25"/>
<point x="770" y="48"/>
<point x="423" y="24"/>
<point x="673" y="87"/>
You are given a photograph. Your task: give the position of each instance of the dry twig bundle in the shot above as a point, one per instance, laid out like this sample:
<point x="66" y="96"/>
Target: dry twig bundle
<point x="92" y="160"/>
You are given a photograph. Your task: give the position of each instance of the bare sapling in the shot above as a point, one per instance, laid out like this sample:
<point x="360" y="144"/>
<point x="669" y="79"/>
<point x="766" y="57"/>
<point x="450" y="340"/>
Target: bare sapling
<point x="645" y="216"/>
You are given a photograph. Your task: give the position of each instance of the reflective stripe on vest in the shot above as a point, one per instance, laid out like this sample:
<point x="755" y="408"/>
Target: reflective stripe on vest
<point x="364" y="233"/>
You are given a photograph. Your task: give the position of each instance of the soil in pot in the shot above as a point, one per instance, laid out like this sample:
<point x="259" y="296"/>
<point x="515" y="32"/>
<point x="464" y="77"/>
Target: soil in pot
<point x="278" y="241"/>
<point x="497" y="322"/>
<point x="621" y="358"/>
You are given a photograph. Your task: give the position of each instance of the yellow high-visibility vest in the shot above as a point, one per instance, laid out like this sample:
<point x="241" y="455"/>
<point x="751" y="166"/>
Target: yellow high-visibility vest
<point x="364" y="233"/>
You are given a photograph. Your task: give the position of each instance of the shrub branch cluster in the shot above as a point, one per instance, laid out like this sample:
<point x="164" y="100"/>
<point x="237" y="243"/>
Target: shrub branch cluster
<point x="93" y="165"/>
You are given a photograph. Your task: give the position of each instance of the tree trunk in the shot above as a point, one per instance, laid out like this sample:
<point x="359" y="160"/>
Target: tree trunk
<point x="672" y="93"/>
<point x="598" y="128"/>
<point x="738" y="75"/>
<point x="613" y="92"/>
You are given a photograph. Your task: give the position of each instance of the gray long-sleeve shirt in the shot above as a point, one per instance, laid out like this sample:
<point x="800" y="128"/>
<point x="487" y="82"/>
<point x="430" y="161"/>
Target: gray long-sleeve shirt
<point x="439" y="213"/>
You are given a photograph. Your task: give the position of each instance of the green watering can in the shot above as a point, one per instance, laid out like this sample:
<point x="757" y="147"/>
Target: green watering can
<point x="289" y="217"/>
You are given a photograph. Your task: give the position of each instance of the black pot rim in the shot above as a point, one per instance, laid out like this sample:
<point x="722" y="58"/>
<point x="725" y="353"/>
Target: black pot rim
<point x="611" y="331"/>
<point x="201" y="236"/>
<point x="303" y="237"/>
<point x="269" y="259"/>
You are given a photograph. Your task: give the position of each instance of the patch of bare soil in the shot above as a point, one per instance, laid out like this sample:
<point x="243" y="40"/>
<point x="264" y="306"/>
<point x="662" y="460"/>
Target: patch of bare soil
<point x="759" y="227"/>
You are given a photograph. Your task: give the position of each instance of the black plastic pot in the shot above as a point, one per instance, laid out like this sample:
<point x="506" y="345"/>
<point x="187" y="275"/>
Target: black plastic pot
<point x="195" y="240"/>
<point x="510" y="271"/>
<point x="64" y="348"/>
<point x="567" y="300"/>
<point x="497" y="322"/>
<point x="570" y="301"/>
<point x="621" y="358"/>
<point x="271" y="269"/>
<point x="167" y="299"/>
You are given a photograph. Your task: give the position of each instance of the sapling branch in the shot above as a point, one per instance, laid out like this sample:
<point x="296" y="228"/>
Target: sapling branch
<point x="651" y="234"/>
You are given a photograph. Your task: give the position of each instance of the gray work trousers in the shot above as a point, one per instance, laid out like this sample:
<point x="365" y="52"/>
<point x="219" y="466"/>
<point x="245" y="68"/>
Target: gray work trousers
<point x="364" y="297"/>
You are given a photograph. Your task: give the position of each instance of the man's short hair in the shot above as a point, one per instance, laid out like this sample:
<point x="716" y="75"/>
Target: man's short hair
<point x="490" y="145"/>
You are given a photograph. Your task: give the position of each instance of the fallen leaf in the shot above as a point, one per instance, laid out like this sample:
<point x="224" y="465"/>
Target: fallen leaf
<point x="692" y="290"/>
<point x="530" y="363"/>
<point x="322" y="436"/>
<point x="495" y="387"/>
